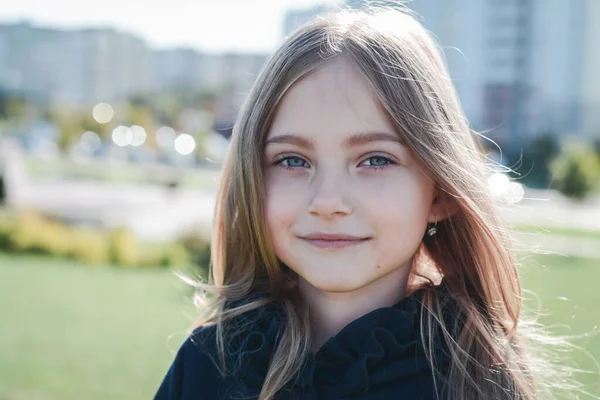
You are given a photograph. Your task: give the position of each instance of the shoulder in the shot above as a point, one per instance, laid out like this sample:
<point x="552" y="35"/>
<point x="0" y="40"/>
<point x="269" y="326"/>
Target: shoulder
<point x="194" y="372"/>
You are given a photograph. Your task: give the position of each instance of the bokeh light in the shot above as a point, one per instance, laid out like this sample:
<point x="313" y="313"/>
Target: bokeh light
<point x="185" y="144"/>
<point x="165" y="137"/>
<point x="122" y="136"/>
<point x="215" y="147"/>
<point x="90" y="141"/>
<point x="498" y="184"/>
<point x="514" y="193"/>
<point x="501" y="187"/>
<point x="138" y="135"/>
<point x="103" y="113"/>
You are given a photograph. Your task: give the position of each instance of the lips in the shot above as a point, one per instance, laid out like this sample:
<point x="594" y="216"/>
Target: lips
<point x="332" y="236"/>
<point x="333" y="240"/>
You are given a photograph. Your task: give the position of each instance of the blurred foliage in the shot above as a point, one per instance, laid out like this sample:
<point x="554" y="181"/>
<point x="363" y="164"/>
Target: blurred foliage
<point x="89" y="246"/>
<point x="13" y="106"/>
<point x="533" y="161"/>
<point x="174" y="254"/>
<point x="571" y="167"/>
<point x="2" y="189"/>
<point x="148" y="110"/>
<point x="123" y="248"/>
<point x="31" y="233"/>
<point x="199" y="248"/>
<point x="141" y="115"/>
<point x="576" y="170"/>
<point x="596" y="145"/>
<point x="72" y="123"/>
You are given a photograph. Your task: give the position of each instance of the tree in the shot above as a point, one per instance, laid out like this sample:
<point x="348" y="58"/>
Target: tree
<point x="576" y="170"/>
<point x="574" y="183"/>
<point x="12" y="106"/>
<point x="597" y="147"/>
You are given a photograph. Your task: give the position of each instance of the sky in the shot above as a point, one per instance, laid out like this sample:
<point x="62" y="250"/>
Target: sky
<point x="207" y="25"/>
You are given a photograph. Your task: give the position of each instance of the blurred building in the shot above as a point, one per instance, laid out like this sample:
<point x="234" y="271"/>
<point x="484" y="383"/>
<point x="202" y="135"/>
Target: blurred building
<point x="591" y="75"/>
<point x="184" y="67"/>
<point x="556" y="81"/>
<point x="520" y="67"/>
<point x="73" y="67"/>
<point x="84" y="66"/>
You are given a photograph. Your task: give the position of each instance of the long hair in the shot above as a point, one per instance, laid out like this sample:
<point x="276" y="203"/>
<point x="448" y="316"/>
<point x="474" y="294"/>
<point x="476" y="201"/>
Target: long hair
<point x="490" y="357"/>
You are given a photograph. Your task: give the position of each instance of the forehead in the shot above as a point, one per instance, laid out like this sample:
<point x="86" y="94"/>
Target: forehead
<point x="333" y="101"/>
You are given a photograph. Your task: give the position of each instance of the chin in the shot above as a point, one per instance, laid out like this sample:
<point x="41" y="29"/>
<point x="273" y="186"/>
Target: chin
<point x="335" y="282"/>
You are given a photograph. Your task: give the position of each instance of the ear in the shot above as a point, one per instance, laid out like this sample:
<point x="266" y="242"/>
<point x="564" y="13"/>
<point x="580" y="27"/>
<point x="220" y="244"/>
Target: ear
<point x="442" y="207"/>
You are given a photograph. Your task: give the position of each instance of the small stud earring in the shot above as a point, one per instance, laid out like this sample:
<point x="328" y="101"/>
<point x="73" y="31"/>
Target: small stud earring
<point x="433" y="230"/>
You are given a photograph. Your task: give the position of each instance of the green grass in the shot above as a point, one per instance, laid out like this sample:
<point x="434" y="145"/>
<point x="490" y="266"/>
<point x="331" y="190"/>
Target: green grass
<point x="559" y="230"/>
<point x="77" y="332"/>
<point x="204" y="179"/>
<point x="565" y="292"/>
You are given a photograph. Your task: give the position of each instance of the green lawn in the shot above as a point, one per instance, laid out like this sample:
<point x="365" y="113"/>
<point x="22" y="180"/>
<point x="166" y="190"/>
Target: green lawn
<point x="565" y="291"/>
<point x="559" y="230"/>
<point x="76" y="332"/>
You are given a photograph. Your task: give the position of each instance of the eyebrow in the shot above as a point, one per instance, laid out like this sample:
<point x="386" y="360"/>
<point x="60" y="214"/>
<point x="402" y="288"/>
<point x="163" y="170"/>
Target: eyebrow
<point x="356" y="139"/>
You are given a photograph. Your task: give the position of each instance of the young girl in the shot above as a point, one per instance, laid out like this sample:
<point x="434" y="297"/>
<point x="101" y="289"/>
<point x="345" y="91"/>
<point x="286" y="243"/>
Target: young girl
<point x="356" y="250"/>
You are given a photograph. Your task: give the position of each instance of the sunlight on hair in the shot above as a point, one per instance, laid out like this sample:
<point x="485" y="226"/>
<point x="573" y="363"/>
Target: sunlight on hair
<point x="501" y="188"/>
<point x="498" y="184"/>
<point x="514" y="193"/>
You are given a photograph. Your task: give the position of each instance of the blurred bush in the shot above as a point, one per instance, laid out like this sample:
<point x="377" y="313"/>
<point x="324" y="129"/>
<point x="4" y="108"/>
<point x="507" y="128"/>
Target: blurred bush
<point x="7" y="226"/>
<point x="31" y="233"/>
<point x="2" y="189"/>
<point x="535" y="158"/>
<point x="576" y="170"/>
<point x="123" y="248"/>
<point x="165" y="255"/>
<point x="89" y="246"/>
<point x="199" y="249"/>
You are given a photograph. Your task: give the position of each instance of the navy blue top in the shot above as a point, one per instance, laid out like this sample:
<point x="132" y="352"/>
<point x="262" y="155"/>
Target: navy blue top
<point x="377" y="356"/>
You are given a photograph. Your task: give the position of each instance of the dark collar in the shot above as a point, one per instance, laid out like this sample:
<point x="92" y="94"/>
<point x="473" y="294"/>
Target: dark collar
<point x="377" y="348"/>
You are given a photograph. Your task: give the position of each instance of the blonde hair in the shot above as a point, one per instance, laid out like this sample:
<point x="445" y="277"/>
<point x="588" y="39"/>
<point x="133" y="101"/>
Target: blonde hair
<point x="471" y="251"/>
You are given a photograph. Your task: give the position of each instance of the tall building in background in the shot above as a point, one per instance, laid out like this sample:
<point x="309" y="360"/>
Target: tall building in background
<point x="463" y="50"/>
<point x="85" y="66"/>
<point x="556" y="58"/>
<point x="176" y="68"/>
<point x="591" y="72"/>
<point x="72" y="67"/>
<point x="508" y="34"/>
<point x="520" y="67"/>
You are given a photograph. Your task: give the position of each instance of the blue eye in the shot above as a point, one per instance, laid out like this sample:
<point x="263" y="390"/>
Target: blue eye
<point x="380" y="162"/>
<point x="292" y="161"/>
<point x="377" y="162"/>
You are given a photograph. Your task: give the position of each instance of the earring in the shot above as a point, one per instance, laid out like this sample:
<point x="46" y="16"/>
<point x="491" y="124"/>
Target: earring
<point x="433" y="230"/>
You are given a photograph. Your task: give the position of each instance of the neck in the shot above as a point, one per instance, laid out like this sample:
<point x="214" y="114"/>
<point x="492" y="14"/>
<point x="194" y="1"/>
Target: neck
<point x="330" y="312"/>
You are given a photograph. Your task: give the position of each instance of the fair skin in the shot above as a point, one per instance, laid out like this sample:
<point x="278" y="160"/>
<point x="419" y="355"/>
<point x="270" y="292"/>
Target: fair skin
<point x="373" y="190"/>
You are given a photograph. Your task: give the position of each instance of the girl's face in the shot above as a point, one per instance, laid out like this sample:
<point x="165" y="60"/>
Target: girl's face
<point x="334" y="165"/>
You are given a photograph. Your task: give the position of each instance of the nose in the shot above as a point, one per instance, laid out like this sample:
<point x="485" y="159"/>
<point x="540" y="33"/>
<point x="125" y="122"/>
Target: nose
<point x="329" y="195"/>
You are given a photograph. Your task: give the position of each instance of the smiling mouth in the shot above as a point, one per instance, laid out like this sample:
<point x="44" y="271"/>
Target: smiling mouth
<point x="334" y="244"/>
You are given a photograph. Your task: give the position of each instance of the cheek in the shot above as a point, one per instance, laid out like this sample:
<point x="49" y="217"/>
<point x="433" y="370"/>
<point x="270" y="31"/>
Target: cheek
<point x="401" y="212"/>
<point x="282" y="207"/>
